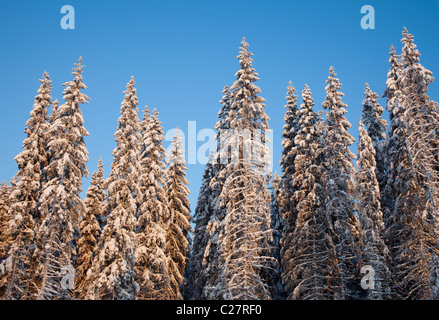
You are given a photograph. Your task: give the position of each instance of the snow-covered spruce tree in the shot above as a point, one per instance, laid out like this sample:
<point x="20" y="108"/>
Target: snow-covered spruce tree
<point x="291" y="127"/>
<point x="421" y="116"/>
<point x="277" y="225"/>
<point x="23" y="209"/>
<point x="391" y="145"/>
<point x="5" y="192"/>
<point x="98" y="196"/>
<point x="223" y="151"/>
<point x="220" y="159"/>
<point x="90" y="227"/>
<point x="153" y="214"/>
<point x="113" y="273"/>
<point x="376" y="128"/>
<point x="60" y="203"/>
<point x="177" y="238"/>
<point x="338" y="184"/>
<point x="412" y="233"/>
<point x="310" y="262"/>
<point x="245" y="230"/>
<point x="374" y="251"/>
<point x="203" y="212"/>
<point x="286" y="199"/>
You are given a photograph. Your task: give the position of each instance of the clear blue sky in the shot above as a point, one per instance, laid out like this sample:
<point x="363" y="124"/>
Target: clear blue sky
<point x="182" y="53"/>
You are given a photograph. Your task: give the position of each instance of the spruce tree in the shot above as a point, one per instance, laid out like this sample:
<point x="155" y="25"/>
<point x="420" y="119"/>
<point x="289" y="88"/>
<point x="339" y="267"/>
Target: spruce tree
<point x="391" y="145"/>
<point x="221" y="158"/>
<point x="25" y="196"/>
<point x="421" y="117"/>
<point x="374" y="251"/>
<point x="412" y="232"/>
<point x="291" y="127"/>
<point x="286" y="199"/>
<point x="177" y="238"/>
<point x="376" y="128"/>
<point x="338" y="182"/>
<point x="90" y="228"/>
<point x="153" y="214"/>
<point x="245" y="230"/>
<point x="60" y="203"/>
<point x="310" y="261"/>
<point x="113" y="272"/>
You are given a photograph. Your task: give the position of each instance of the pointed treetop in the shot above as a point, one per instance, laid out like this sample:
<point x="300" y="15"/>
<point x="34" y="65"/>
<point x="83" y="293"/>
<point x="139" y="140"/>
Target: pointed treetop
<point x="77" y="70"/>
<point x="333" y="95"/>
<point x="369" y="94"/>
<point x="413" y="71"/>
<point x="291" y="95"/>
<point x="365" y="145"/>
<point x="244" y="43"/>
<point x="130" y="93"/>
<point x="72" y="87"/>
<point x="46" y="75"/>
<point x="306" y="96"/>
<point x="409" y="51"/>
<point x="146" y="114"/>
<point x="177" y="134"/>
<point x="130" y="86"/>
<point x="245" y="56"/>
<point x="372" y="109"/>
<point x="44" y="90"/>
<point x="177" y="153"/>
<point x="46" y="78"/>
<point x="306" y="112"/>
<point x="100" y="163"/>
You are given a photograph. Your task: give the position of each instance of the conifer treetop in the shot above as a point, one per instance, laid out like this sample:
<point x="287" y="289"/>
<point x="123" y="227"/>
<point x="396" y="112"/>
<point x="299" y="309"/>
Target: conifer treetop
<point x="247" y="109"/>
<point x="337" y="122"/>
<point x="409" y="52"/>
<point x="72" y="91"/>
<point x="413" y="71"/>
<point x="372" y="115"/>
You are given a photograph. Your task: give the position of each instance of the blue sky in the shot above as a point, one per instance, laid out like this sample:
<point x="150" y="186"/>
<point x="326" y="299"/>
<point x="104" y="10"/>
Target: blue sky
<point x="182" y="53"/>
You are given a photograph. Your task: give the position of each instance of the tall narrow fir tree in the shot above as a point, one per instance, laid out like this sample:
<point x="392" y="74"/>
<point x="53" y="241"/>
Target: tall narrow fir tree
<point x="25" y="196"/>
<point x="113" y="273"/>
<point x="338" y="182"/>
<point x="177" y="239"/>
<point x="151" y="261"/>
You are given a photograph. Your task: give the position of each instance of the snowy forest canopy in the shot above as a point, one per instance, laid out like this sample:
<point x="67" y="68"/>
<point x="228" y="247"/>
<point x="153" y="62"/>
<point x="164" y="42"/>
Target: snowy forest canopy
<point x="322" y="229"/>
